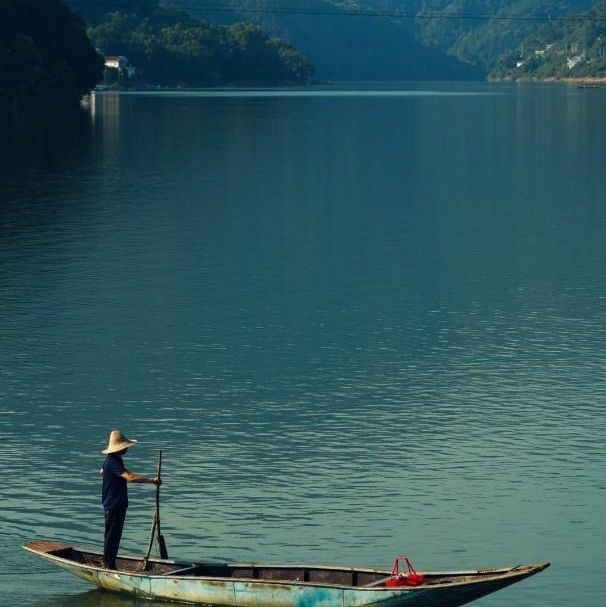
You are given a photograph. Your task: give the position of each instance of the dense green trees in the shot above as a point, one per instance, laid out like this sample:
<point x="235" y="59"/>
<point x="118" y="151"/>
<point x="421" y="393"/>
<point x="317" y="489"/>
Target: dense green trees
<point x="46" y="59"/>
<point x="575" y="49"/>
<point x="483" y="36"/>
<point x="169" y="47"/>
<point x="377" y="45"/>
<point x="483" y="41"/>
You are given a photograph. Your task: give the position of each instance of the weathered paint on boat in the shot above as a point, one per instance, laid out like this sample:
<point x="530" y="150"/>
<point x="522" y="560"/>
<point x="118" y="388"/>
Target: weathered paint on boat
<point x="175" y="581"/>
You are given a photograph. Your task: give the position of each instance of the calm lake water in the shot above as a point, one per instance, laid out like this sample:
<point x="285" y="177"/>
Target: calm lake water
<point x="360" y="322"/>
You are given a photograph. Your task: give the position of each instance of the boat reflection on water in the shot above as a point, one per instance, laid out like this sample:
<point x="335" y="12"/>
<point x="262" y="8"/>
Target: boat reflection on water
<point x="97" y="598"/>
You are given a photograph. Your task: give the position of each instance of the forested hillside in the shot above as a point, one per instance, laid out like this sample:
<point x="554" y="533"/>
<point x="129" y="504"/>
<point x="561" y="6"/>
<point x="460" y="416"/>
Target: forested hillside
<point x="432" y="38"/>
<point x="413" y="39"/>
<point x="168" y="46"/>
<point x="482" y="41"/>
<point x="341" y="44"/>
<point x="349" y="40"/>
<point x="574" y="49"/>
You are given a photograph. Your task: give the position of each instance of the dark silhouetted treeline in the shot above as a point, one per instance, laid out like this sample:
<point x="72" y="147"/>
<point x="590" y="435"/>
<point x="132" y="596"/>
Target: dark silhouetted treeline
<point x="46" y="59"/>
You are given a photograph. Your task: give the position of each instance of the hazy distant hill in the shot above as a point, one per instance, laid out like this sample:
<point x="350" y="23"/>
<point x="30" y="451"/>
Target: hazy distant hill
<point x="342" y="45"/>
<point x="366" y="47"/>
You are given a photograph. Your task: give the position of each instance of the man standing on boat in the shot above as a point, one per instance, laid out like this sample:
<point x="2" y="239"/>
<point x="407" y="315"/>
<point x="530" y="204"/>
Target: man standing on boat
<point x="114" y="496"/>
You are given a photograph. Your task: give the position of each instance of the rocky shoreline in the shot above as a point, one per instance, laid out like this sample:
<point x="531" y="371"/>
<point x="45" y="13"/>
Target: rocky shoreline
<point x="582" y="80"/>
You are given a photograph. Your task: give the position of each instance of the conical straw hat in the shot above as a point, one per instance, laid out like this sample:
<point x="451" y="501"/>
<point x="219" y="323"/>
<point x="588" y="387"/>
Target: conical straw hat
<point x="117" y="442"/>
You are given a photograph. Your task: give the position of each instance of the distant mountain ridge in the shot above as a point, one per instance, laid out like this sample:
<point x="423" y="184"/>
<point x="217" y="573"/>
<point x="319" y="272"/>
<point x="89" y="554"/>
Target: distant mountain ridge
<point x="447" y="39"/>
<point x="342" y="43"/>
<point x="366" y="40"/>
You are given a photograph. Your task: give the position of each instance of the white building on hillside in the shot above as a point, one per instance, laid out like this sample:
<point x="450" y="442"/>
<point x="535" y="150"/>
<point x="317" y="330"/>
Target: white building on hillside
<point x="573" y="61"/>
<point x="121" y="64"/>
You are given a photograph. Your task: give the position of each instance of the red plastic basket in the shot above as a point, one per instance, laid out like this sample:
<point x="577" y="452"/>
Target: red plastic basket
<point x="408" y="577"/>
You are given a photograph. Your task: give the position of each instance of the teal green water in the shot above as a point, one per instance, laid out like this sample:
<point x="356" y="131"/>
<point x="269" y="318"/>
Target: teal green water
<point x="360" y="322"/>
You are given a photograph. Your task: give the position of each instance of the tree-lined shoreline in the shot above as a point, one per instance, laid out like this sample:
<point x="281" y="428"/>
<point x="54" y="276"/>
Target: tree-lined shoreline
<point x="51" y="55"/>
<point x="49" y="59"/>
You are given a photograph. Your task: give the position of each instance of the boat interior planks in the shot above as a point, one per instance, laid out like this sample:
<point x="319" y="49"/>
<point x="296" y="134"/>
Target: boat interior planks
<point x="299" y="573"/>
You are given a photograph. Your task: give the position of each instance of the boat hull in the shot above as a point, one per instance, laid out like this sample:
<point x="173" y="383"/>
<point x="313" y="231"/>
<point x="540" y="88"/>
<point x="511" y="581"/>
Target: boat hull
<point x="457" y="589"/>
<point x="221" y="593"/>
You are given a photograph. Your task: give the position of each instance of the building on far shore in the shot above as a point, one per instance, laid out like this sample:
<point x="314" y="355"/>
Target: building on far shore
<point x="572" y="62"/>
<point x="117" y="68"/>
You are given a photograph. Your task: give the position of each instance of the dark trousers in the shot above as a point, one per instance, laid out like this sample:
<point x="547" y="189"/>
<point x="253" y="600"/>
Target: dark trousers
<point x="114" y="523"/>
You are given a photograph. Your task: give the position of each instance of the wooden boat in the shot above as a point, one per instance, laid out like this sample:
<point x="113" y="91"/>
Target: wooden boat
<point x="260" y="585"/>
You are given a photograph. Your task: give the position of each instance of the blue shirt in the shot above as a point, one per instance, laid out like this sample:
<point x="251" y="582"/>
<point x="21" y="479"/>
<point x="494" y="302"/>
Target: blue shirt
<point x="114" y="495"/>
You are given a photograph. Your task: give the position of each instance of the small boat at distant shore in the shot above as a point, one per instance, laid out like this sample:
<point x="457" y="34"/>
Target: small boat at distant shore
<point x="588" y="86"/>
<point x="224" y="584"/>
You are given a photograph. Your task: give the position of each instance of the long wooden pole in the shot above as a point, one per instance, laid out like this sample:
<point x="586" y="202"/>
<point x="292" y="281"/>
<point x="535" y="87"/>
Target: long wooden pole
<point x="161" y="542"/>
<point x="156" y="523"/>
<point x="150" y="544"/>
